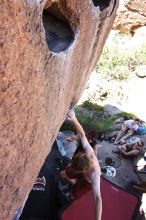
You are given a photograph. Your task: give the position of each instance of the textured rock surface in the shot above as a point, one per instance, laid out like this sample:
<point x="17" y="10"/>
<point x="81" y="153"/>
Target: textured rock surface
<point x="136" y="5"/>
<point x="122" y="178"/>
<point x="130" y="16"/>
<point x="112" y="110"/>
<point x="40" y="80"/>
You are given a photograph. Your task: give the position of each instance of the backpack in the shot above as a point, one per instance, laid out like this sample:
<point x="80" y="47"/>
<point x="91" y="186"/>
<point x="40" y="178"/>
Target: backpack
<point x="141" y="129"/>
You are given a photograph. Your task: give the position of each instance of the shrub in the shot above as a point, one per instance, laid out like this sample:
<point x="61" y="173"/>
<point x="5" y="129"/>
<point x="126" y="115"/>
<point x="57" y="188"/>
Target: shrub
<point x="127" y="115"/>
<point x="89" y="123"/>
<point x="119" y="59"/>
<point x="92" y="106"/>
<point x="85" y="118"/>
<point x="106" y="124"/>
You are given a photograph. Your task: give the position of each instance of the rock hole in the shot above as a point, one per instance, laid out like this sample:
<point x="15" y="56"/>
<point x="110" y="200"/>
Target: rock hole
<point x="101" y="3"/>
<point x="58" y="33"/>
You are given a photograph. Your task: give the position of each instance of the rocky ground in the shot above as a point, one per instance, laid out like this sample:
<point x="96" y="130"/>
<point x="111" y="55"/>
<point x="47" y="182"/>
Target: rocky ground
<point x="125" y="168"/>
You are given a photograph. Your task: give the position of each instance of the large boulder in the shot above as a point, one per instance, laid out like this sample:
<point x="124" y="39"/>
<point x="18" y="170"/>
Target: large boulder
<point x="130" y="16"/>
<point x="136" y="5"/>
<point x="49" y="49"/>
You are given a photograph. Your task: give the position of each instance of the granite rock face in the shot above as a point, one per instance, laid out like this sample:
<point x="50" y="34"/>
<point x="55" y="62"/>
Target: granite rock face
<point x="48" y="51"/>
<point x="130" y="16"/>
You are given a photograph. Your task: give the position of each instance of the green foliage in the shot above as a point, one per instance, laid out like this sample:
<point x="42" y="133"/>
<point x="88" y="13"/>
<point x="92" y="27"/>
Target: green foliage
<point x="92" y="106"/>
<point x="87" y="120"/>
<point x="140" y="55"/>
<point x="106" y="124"/>
<point x="119" y="60"/>
<point x="84" y="117"/>
<point x="127" y="115"/>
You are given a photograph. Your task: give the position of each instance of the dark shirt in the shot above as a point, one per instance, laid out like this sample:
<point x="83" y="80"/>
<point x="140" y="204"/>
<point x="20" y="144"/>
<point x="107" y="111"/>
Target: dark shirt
<point x="130" y="148"/>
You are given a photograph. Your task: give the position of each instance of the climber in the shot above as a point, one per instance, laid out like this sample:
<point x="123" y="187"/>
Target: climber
<point x="84" y="171"/>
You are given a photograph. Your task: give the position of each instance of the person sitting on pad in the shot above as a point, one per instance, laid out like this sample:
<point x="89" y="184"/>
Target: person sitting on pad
<point x="128" y="129"/>
<point x="130" y="149"/>
<point x="84" y="171"/>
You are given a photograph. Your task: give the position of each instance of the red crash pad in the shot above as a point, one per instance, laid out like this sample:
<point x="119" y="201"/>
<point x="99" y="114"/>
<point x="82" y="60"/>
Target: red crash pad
<point x="117" y="205"/>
